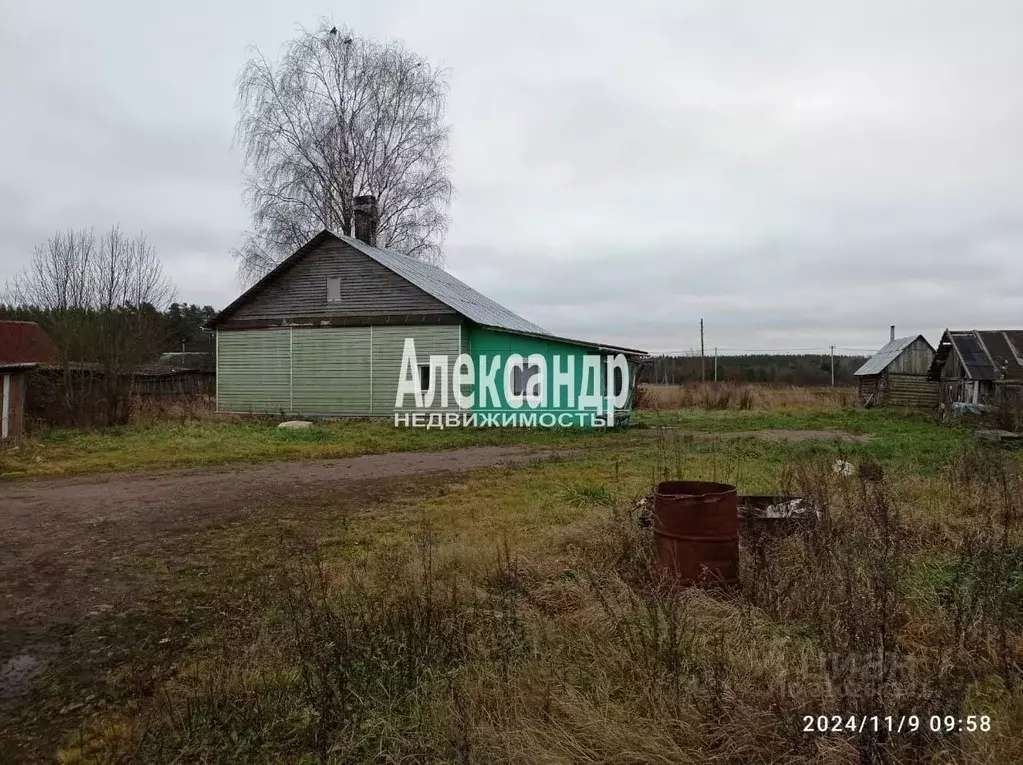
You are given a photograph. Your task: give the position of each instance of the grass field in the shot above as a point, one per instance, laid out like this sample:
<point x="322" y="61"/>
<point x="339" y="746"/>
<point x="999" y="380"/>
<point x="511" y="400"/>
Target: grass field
<point x="194" y="437"/>
<point x="719" y="396"/>
<point x="511" y="616"/>
<point x="200" y="443"/>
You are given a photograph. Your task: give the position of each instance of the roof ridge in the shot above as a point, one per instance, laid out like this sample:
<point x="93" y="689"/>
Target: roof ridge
<point x="472" y="303"/>
<point x="887" y="353"/>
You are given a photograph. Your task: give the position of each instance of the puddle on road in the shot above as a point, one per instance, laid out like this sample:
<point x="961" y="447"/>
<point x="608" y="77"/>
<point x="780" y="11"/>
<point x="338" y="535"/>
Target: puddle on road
<point x="18" y="675"/>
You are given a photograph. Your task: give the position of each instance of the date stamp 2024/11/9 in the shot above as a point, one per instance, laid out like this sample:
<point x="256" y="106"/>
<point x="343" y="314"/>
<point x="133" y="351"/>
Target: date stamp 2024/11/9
<point x="895" y="723"/>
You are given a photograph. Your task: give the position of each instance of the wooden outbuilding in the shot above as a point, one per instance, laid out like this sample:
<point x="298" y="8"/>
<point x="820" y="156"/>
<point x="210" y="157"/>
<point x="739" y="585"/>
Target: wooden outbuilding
<point x="23" y="347"/>
<point x="897" y="374"/>
<point x="177" y="374"/>
<point x="978" y="367"/>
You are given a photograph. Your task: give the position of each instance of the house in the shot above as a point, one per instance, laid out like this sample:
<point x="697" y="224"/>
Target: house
<point x="23" y="347"/>
<point x="897" y="374"/>
<point x="978" y="366"/>
<point x="326" y="333"/>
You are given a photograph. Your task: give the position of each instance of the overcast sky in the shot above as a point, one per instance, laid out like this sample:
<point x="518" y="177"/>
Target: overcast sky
<point x="799" y="174"/>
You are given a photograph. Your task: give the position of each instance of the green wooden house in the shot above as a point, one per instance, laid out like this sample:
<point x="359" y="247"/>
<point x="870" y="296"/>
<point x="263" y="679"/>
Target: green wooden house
<point x="323" y="334"/>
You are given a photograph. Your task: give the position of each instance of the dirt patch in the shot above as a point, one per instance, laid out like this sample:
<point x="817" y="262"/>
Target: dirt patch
<point x="766" y="435"/>
<point x="18" y="675"/>
<point x="57" y="535"/>
<point x="72" y="608"/>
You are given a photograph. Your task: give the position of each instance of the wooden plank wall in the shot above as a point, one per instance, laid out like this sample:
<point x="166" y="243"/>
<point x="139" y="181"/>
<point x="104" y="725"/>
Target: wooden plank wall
<point x="915" y="359"/>
<point x="910" y="391"/>
<point x="367" y="289"/>
<point x="867" y="387"/>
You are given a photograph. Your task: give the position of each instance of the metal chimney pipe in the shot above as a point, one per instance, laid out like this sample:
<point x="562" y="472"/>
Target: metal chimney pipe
<point x="893" y="333"/>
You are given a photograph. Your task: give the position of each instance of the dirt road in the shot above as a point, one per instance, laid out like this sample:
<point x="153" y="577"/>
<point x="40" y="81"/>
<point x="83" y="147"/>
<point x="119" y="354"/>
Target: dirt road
<point x="129" y="500"/>
<point x="69" y="618"/>
<point x="56" y="535"/>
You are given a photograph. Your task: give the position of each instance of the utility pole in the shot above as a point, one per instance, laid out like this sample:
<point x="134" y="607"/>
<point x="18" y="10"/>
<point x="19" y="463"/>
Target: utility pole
<point x="832" y="366"/>
<point x="715" y="363"/>
<point x="703" y="358"/>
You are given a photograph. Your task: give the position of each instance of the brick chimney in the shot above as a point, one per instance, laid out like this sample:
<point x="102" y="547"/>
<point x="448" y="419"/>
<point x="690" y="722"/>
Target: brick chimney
<point x="366" y="219"/>
<point x="893" y="333"/>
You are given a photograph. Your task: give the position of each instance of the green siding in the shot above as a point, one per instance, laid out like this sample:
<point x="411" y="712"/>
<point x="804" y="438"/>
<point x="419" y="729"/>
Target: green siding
<point x="488" y="342"/>
<point x="388" y="343"/>
<point x="330" y="370"/>
<point x="254" y="371"/>
<point x="354" y="371"/>
<point x="323" y="371"/>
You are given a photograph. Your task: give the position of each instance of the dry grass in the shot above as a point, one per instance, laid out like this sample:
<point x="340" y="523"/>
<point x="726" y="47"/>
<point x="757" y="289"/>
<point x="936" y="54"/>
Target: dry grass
<point x="719" y="396"/>
<point x="179" y="440"/>
<point x="151" y="410"/>
<point x="514" y="619"/>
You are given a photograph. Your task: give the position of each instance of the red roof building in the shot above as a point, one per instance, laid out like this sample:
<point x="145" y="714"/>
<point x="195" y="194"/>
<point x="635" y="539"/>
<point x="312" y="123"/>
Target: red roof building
<point x="23" y="345"/>
<point x="25" y="342"/>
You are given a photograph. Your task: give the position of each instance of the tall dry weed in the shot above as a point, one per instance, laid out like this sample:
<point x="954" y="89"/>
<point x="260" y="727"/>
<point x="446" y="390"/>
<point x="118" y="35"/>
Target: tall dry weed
<point x="721" y="396"/>
<point x="571" y="650"/>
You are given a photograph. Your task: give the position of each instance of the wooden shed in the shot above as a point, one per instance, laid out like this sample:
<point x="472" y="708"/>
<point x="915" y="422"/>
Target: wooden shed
<point x="897" y="375"/>
<point x="177" y="374"/>
<point x="978" y="367"/>
<point x="23" y="347"/>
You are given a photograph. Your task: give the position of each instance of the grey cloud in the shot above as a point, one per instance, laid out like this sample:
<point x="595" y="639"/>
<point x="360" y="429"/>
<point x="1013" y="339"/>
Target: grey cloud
<point x="797" y="174"/>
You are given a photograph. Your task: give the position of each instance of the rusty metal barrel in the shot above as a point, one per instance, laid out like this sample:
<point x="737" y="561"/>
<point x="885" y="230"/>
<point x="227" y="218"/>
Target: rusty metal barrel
<point x="696" y="532"/>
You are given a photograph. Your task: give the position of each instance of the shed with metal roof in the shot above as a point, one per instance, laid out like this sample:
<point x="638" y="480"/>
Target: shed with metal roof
<point x="897" y="374"/>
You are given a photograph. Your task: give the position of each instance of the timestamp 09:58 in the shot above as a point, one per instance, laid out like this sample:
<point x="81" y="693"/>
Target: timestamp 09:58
<point x="895" y="723"/>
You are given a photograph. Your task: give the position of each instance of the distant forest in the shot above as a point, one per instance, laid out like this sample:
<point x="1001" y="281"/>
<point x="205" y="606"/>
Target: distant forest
<point x="802" y="369"/>
<point x="180" y="325"/>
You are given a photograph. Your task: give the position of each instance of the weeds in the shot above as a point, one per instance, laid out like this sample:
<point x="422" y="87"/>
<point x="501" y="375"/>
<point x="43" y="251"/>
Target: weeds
<point x="722" y="396"/>
<point x="583" y="494"/>
<point x="560" y="645"/>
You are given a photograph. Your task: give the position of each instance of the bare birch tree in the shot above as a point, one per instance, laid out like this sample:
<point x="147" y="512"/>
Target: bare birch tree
<point x="102" y="298"/>
<point x="336" y="117"/>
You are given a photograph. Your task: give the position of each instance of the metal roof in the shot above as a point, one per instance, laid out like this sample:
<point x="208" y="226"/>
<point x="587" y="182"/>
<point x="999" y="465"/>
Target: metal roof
<point x="434" y="281"/>
<point x="879" y="362"/>
<point x="188" y="361"/>
<point x="447" y="289"/>
<point x="24" y="342"/>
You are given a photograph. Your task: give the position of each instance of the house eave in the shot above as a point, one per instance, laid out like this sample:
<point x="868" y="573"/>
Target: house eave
<point x="342" y="321"/>
<point x="631" y="353"/>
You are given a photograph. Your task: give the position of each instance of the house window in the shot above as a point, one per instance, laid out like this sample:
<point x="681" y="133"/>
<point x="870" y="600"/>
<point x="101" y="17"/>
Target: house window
<point x="523" y="376"/>
<point x="334" y="289"/>
<point x="424" y="377"/>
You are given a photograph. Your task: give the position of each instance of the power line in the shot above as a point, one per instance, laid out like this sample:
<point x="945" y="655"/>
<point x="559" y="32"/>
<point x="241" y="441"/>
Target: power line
<point x="819" y="350"/>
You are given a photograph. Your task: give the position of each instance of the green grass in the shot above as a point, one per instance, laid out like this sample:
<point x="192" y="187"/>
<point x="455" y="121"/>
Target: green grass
<point x="853" y="420"/>
<point x="55" y="452"/>
<point x="900" y="438"/>
<point x="557" y="659"/>
<point x="148" y="447"/>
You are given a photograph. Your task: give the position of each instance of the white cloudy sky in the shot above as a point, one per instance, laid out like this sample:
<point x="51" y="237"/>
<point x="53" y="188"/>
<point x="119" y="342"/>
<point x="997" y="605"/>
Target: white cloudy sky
<point x="798" y="173"/>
